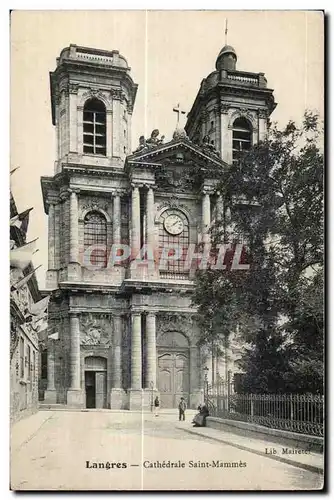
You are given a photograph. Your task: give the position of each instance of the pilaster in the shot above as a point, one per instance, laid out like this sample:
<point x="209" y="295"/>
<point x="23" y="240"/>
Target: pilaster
<point x="151" y="352"/>
<point x="206" y="216"/>
<point x="75" y="394"/>
<point x="50" y="395"/>
<point x="74" y="266"/>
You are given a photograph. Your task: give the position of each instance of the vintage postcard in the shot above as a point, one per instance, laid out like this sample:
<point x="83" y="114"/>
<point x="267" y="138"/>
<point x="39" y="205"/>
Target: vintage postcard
<point x="166" y="250"/>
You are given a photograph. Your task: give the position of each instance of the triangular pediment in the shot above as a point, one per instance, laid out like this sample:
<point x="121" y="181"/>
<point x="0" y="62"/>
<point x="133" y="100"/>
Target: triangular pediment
<point x="180" y="151"/>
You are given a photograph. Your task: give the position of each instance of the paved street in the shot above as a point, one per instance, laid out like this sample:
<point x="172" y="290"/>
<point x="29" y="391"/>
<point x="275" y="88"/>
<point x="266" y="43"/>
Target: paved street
<point x="51" y="450"/>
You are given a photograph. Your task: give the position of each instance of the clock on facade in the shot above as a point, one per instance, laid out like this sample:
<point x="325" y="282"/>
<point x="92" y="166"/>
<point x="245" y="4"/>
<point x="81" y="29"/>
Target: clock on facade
<point x="173" y="224"/>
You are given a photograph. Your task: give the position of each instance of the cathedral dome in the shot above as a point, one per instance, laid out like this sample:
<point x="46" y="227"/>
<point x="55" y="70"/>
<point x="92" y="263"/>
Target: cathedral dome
<point x="227" y="58"/>
<point x="179" y="133"/>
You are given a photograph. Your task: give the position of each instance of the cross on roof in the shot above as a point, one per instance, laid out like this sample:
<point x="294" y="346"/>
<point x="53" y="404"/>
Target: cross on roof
<point x="178" y="111"/>
<point x="226" y="31"/>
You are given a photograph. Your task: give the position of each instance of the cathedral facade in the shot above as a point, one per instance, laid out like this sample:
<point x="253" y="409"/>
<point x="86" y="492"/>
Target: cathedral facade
<point x="126" y="229"/>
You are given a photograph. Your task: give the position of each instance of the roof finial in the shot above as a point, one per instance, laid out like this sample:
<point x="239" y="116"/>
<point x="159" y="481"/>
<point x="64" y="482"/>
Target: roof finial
<point x="226" y="31"/>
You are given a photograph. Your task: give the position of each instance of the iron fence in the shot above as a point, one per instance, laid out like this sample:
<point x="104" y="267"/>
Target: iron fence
<point x="303" y="413"/>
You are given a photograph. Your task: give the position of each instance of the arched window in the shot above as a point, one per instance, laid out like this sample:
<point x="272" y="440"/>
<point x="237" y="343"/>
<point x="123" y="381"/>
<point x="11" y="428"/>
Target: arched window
<point x="173" y="238"/>
<point x="94" y="127"/>
<point x="242" y="137"/>
<point x="95" y="235"/>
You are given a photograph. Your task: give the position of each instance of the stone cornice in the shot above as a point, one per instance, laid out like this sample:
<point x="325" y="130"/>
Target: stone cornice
<point x="78" y="168"/>
<point x="78" y="287"/>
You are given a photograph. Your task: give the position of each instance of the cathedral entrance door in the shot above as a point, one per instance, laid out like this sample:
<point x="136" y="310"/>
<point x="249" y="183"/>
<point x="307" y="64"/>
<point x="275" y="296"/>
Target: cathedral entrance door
<point x="173" y="377"/>
<point x="96" y="382"/>
<point x="90" y="389"/>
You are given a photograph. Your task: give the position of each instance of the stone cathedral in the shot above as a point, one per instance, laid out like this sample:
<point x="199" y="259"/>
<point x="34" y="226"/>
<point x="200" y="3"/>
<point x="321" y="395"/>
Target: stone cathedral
<point x="124" y="329"/>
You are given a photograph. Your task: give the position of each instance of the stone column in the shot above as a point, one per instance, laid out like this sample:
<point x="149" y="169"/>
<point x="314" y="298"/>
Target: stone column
<point x="74" y="269"/>
<point x="262" y="128"/>
<point x="75" y="393"/>
<point x="225" y="134"/>
<point x="80" y="130"/>
<point x="135" y="392"/>
<point x="220" y="214"/>
<point x="73" y="94"/>
<point x="74" y="227"/>
<point x="117" y="392"/>
<point x="136" y="357"/>
<point x="57" y="235"/>
<point x="150" y="233"/>
<point x="129" y="127"/>
<point x="135" y="221"/>
<point x="50" y="395"/>
<point x="109" y="138"/>
<point x="116" y="120"/>
<point x="117" y="220"/>
<point x="151" y="352"/>
<point x="217" y="127"/>
<point x="51" y="235"/>
<point x="51" y="366"/>
<point x="117" y="353"/>
<point x="205" y="217"/>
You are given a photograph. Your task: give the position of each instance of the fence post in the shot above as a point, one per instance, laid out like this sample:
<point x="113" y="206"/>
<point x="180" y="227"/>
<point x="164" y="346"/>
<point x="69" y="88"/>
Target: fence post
<point x="252" y="406"/>
<point x="291" y="408"/>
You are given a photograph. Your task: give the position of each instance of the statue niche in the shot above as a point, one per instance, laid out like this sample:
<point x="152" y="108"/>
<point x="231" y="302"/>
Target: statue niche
<point x="95" y="330"/>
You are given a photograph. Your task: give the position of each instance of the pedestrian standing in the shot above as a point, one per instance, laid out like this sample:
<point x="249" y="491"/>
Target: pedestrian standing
<point x="156" y="406"/>
<point x="182" y="409"/>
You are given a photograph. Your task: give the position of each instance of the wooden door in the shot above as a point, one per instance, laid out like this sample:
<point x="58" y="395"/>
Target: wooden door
<point x="101" y="389"/>
<point x="173" y="378"/>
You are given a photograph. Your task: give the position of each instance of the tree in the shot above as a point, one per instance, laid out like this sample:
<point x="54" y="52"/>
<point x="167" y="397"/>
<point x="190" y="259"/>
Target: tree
<point x="280" y="183"/>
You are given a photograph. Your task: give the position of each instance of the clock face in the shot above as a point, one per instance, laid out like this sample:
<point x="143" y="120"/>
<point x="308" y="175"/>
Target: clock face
<point x="173" y="224"/>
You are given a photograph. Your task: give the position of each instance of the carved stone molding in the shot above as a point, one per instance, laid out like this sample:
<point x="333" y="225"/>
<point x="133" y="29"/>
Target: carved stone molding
<point x="94" y="204"/>
<point x="117" y="94"/>
<point x="73" y="88"/>
<point x="96" y="329"/>
<point x="204" y="115"/>
<point x="242" y="112"/>
<point x="173" y="204"/>
<point x="95" y="93"/>
<point x="176" y="179"/>
<point x="263" y="113"/>
<point x="57" y="97"/>
<point x="64" y="195"/>
<point x="224" y="108"/>
<point x="183" y="323"/>
<point x="74" y="190"/>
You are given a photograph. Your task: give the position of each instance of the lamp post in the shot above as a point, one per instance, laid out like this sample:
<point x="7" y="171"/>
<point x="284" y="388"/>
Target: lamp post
<point x="206" y="385"/>
<point x="151" y="387"/>
<point x="229" y="377"/>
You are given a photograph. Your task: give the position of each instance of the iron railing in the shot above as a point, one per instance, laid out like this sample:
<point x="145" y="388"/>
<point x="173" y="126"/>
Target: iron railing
<point x="302" y="413"/>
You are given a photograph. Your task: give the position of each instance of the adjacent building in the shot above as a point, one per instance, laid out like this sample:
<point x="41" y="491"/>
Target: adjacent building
<point x="24" y="341"/>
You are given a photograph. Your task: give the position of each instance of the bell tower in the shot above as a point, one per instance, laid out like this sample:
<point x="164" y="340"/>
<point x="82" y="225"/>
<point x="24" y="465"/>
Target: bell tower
<point x="231" y="109"/>
<point x="92" y="99"/>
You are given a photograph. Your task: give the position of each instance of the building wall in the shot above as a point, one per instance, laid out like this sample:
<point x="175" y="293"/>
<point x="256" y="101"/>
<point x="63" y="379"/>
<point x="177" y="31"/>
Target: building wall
<point x="24" y="376"/>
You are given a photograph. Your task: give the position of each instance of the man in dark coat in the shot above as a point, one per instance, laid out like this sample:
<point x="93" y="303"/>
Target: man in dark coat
<point x="182" y="409"/>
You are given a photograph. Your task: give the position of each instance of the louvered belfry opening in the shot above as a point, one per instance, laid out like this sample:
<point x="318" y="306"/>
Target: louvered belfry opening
<point x="242" y="138"/>
<point x="94" y="127"/>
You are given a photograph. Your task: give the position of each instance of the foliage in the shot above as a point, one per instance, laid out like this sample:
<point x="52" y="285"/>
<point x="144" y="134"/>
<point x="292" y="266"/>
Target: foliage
<point x="275" y="193"/>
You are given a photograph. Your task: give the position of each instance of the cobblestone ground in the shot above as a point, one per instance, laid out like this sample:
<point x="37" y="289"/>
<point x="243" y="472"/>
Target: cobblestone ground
<point x="53" y="455"/>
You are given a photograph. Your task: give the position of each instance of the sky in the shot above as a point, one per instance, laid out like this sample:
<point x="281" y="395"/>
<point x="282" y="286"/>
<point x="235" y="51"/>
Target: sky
<point x="169" y="53"/>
